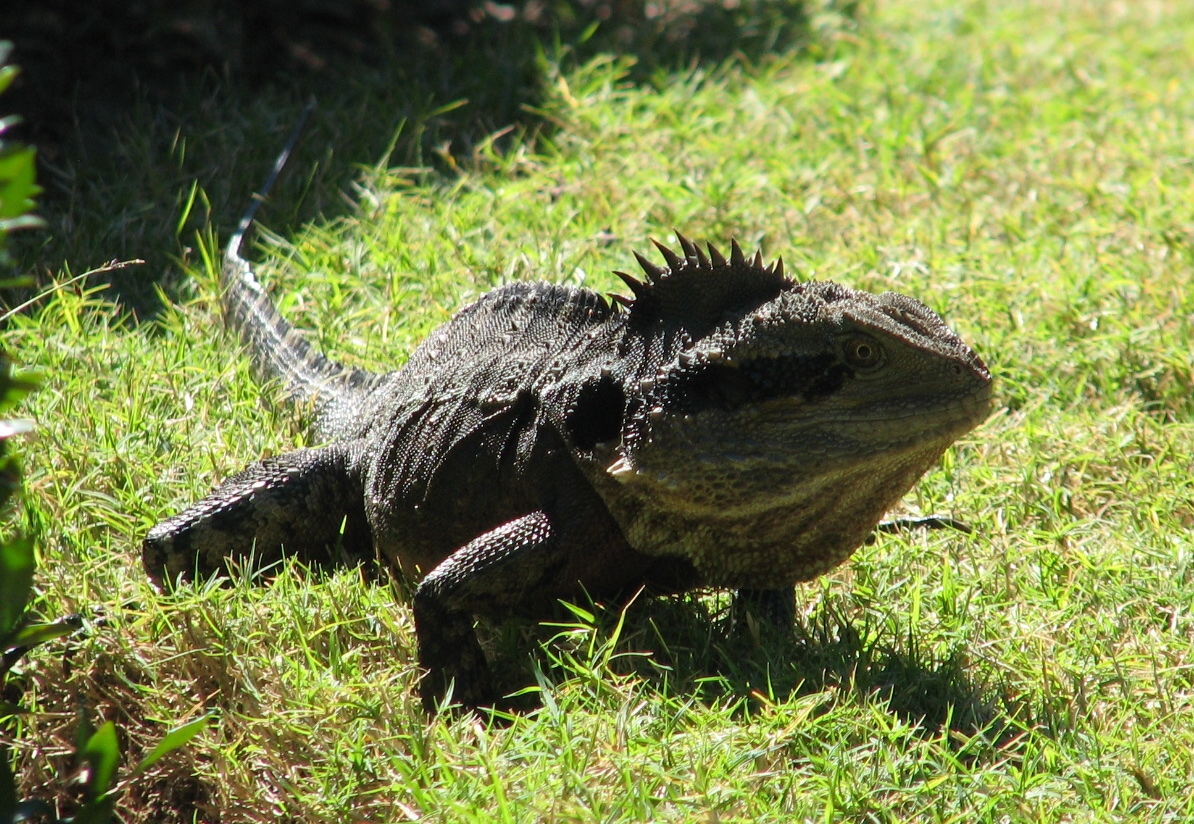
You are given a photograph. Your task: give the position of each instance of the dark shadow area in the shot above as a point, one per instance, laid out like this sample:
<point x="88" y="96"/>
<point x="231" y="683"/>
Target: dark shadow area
<point x="130" y="104"/>
<point x="681" y="647"/>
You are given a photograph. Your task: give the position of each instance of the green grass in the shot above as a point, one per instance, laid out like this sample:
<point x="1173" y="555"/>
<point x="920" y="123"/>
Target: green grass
<point x="1024" y="168"/>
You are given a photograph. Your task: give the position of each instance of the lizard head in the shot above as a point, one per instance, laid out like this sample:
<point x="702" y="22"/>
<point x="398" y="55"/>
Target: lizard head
<point x="811" y="405"/>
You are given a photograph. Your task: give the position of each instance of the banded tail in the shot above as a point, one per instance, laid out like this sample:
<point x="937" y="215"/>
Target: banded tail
<point x="276" y="349"/>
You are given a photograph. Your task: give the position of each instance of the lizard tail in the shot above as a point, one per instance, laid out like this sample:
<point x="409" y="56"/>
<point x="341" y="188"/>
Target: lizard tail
<point x="277" y="351"/>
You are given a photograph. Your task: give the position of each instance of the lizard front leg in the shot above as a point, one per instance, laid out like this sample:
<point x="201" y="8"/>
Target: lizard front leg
<point x="775" y="607"/>
<point x="507" y="569"/>
<point x="304" y="503"/>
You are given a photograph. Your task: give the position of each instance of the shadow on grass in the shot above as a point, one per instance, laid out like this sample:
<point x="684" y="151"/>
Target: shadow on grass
<point x="680" y="647"/>
<point x="118" y="159"/>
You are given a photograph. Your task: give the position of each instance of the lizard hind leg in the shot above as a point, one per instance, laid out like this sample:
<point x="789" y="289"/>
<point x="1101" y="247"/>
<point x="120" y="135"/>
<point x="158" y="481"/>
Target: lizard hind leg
<point x="307" y="503"/>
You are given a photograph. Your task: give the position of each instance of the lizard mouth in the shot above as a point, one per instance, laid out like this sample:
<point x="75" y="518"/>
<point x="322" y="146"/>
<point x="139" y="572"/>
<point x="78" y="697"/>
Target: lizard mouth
<point x="951" y="410"/>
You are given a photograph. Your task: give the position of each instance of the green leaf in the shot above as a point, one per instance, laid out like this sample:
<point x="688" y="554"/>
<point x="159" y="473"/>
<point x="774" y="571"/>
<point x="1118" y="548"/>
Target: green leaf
<point x="14" y="386"/>
<point x="16" y="582"/>
<point x="586" y="617"/>
<point x="17" y="180"/>
<point x="102" y="752"/>
<point x="177" y="737"/>
<point x="185" y="214"/>
<point x="34" y="634"/>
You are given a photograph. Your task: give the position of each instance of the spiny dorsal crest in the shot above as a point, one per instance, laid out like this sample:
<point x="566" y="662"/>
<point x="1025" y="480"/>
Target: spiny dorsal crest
<point x="697" y="290"/>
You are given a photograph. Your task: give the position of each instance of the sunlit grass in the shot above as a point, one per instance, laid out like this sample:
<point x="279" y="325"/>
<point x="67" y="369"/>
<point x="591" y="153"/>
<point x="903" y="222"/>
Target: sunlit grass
<point x="1022" y="168"/>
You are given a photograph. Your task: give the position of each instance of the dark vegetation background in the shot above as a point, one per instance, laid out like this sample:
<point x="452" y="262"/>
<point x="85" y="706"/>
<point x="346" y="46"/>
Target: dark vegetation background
<point x="155" y="119"/>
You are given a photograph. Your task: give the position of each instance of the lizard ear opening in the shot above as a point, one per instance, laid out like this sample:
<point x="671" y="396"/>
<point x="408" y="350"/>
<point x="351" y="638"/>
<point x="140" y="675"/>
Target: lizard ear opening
<point x="597" y="413"/>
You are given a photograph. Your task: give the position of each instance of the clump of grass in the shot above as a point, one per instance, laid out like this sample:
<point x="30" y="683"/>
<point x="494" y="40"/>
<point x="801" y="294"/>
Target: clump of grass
<point x="1022" y="170"/>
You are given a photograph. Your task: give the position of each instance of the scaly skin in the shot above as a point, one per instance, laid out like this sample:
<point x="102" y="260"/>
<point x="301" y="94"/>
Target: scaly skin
<point x="727" y="426"/>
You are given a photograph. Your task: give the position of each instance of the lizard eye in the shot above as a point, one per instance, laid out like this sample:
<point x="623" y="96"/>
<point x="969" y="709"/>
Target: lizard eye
<point x="863" y="354"/>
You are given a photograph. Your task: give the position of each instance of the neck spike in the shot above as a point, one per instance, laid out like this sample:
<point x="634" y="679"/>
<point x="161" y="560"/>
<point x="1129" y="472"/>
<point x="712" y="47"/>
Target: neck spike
<point x="699" y="290"/>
